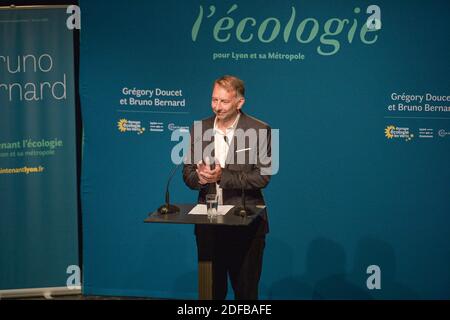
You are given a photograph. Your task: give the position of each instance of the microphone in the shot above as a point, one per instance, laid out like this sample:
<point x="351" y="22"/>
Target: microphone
<point x="242" y="210"/>
<point x="167" y="208"/>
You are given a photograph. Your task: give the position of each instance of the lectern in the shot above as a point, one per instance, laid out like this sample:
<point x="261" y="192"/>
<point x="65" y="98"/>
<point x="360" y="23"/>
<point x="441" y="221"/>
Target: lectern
<point x="205" y="279"/>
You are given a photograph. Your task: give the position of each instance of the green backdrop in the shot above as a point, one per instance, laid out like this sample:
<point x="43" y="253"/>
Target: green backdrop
<point x="364" y="141"/>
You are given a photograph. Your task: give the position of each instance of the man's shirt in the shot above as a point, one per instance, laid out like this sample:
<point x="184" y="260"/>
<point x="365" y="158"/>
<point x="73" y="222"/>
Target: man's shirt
<point x="222" y="142"/>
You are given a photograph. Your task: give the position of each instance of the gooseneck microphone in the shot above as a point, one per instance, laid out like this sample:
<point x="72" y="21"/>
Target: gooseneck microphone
<point x="167" y="208"/>
<point x="242" y="210"/>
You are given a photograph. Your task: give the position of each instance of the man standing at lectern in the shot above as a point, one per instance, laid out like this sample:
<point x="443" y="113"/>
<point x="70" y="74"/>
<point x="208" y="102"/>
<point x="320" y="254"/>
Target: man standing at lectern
<point x="238" y="143"/>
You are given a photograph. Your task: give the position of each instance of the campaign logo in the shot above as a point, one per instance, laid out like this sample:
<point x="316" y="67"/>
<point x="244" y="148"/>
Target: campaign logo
<point x="125" y="125"/>
<point x="442" y="133"/>
<point x="393" y="132"/>
<point x="173" y="127"/>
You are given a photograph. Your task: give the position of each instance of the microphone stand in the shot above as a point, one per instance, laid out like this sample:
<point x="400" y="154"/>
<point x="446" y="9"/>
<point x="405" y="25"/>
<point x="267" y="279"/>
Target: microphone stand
<point x="167" y="208"/>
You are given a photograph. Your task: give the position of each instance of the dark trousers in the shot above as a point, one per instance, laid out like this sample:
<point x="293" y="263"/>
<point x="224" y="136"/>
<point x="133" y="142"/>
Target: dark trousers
<point x="239" y="257"/>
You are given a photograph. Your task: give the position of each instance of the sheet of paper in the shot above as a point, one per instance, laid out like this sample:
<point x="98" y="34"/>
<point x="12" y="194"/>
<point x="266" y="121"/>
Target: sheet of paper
<point x="201" y="209"/>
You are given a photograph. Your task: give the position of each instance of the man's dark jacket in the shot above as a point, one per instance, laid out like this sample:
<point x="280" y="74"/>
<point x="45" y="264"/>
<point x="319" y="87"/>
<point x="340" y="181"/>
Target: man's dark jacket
<point x="245" y="160"/>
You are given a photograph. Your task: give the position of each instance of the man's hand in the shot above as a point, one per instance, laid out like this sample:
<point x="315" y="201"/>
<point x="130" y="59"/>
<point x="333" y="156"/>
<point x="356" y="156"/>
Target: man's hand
<point x="206" y="175"/>
<point x="200" y="168"/>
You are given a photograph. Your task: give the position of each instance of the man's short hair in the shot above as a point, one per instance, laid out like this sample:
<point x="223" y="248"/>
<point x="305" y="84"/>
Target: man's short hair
<point x="232" y="83"/>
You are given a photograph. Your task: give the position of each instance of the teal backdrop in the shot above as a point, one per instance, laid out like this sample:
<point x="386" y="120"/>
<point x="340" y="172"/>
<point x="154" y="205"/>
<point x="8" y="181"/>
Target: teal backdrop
<point x="38" y="182"/>
<point x="360" y="206"/>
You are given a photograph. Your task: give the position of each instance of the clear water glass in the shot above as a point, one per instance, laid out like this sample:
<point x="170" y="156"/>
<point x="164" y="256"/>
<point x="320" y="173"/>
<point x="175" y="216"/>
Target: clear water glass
<point x="211" y="205"/>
